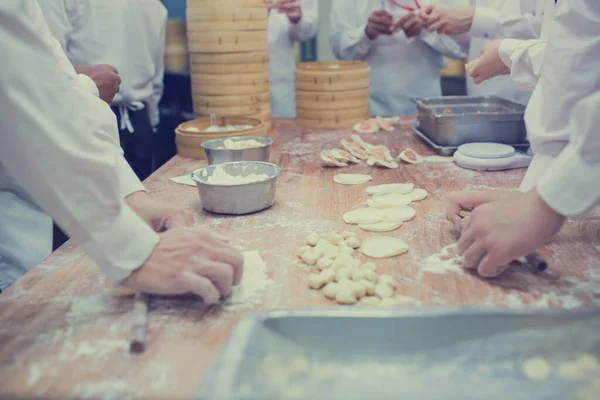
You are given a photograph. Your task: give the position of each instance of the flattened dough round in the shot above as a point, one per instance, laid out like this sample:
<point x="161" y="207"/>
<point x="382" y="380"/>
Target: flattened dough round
<point x="381" y="226"/>
<point x="392" y="199"/>
<point x="418" y="194"/>
<point x="537" y="369"/>
<point x="383" y="247"/>
<point x="364" y="216"/>
<point x="400" y="188"/>
<point x="399" y="214"/>
<point x="352" y="179"/>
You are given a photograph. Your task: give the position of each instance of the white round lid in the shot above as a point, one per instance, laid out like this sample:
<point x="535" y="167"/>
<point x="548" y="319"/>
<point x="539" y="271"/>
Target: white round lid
<point x="486" y="150"/>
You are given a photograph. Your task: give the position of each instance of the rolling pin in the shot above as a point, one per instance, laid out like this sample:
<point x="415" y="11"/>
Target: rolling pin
<point x="537" y="262"/>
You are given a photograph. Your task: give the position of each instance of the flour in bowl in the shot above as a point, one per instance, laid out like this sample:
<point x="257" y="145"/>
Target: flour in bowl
<point x="227" y="128"/>
<point x="229" y="144"/>
<point x="221" y="177"/>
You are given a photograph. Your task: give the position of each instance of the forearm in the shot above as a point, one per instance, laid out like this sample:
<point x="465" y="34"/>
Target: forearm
<point x="306" y="27"/>
<point x="525" y="60"/>
<point x="348" y="41"/>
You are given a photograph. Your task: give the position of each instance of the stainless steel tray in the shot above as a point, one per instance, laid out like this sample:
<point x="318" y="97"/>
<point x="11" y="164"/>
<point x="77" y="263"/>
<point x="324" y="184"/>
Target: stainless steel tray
<point x="403" y="353"/>
<point x="455" y="120"/>
<point x="450" y="150"/>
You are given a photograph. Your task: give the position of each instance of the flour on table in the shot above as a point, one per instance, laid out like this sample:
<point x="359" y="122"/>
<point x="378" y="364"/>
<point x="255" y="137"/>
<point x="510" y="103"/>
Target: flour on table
<point x="104" y="390"/>
<point x="446" y="261"/>
<point x="35" y="373"/>
<point x="254" y="283"/>
<point x="184" y="180"/>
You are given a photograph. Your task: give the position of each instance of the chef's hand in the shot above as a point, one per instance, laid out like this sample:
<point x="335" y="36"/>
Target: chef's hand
<point x="450" y="21"/>
<point x="380" y="23"/>
<point x="106" y="79"/>
<point x="291" y="8"/>
<point x="489" y="64"/>
<point x="503" y="228"/>
<point x="189" y="260"/>
<point x="160" y="216"/>
<point x="410" y="23"/>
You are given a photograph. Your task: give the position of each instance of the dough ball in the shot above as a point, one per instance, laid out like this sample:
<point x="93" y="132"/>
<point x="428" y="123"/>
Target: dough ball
<point x="334" y="238"/>
<point x="353" y="242"/>
<point x="345" y="296"/>
<point x="359" y="289"/>
<point x="313" y="239"/>
<point x="345" y="282"/>
<point x="353" y="263"/>
<point x="324" y="263"/>
<point x="388" y="302"/>
<point x="388" y="280"/>
<point x="383" y="291"/>
<point x="303" y="250"/>
<point x="342" y="244"/>
<point x="369" y="301"/>
<point x="344" y="273"/>
<point x="327" y="275"/>
<point x="341" y="261"/>
<point x="309" y="258"/>
<point x="537" y="369"/>
<point x="348" y="234"/>
<point x="331" y="253"/>
<point x="370" y="288"/>
<point x="346" y="250"/>
<point x="322" y="244"/>
<point x="330" y="290"/>
<point x="589" y="362"/>
<point x="318" y="252"/>
<point x="383" y="247"/>
<point x="370" y="265"/>
<point x="315" y="281"/>
<point x="570" y="371"/>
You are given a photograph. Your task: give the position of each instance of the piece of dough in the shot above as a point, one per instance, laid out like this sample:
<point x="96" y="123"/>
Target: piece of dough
<point x="330" y="161"/>
<point x="353" y="242"/>
<point x="318" y="252"/>
<point x="322" y="245"/>
<point x="342" y="244"/>
<point x="399" y="214"/>
<point x="369" y="301"/>
<point x="383" y="291"/>
<point x="342" y="261"/>
<point x="352" y="179"/>
<point x="364" y="216"/>
<point x="344" y="273"/>
<point x="418" y="195"/>
<point x="345" y="296"/>
<point x="372" y="204"/>
<point x="334" y="238"/>
<point x="393" y="199"/>
<point x="309" y="257"/>
<point x="348" y="234"/>
<point x="346" y="251"/>
<point x="388" y="302"/>
<point x="381" y="226"/>
<point x="537" y="369"/>
<point x="324" y="263"/>
<point x="384" y="247"/>
<point x="406" y="301"/>
<point x="313" y="239"/>
<point x="345" y="282"/>
<point x="589" y="363"/>
<point x="330" y="290"/>
<point x="315" y="281"/>
<point x="570" y="371"/>
<point x="370" y="265"/>
<point x="327" y="275"/>
<point x="332" y="253"/>
<point x="399" y="188"/>
<point x="359" y="289"/>
<point x="303" y="250"/>
<point x="365" y="274"/>
<point x="410" y="156"/>
<point x="370" y="287"/>
<point x="388" y="280"/>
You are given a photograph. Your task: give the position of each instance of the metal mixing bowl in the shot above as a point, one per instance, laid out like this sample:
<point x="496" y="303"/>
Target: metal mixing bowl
<point x="217" y="154"/>
<point x="242" y="198"/>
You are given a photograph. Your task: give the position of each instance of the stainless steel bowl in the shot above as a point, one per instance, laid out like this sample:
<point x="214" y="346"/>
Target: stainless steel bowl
<point x="238" y="199"/>
<point x="216" y="154"/>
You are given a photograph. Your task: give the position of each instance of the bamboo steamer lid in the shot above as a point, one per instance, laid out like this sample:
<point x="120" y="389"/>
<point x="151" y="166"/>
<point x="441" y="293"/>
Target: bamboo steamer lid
<point x="230" y="80"/>
<point x="221" y="90"/>
<point x="329" y="123"/>
<point x="332" y="76"/>
<point x="333" y="100"/>
<point x="228" y="4"/>
<point x="349" y="113"/>
<point x="231" y="101"/>
<point x="225" y="69"/>
<point x="218" y="26"/>
<point x="230" y="58"/>
<point x="249" y="109"/>
<point x="227" y="41"/>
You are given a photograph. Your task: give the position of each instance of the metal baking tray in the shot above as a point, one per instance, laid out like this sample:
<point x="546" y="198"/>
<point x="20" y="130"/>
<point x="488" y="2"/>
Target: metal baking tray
<point x="434" y="353"/>
<point x="450" y="150"/>
<point x="455" y="120"/>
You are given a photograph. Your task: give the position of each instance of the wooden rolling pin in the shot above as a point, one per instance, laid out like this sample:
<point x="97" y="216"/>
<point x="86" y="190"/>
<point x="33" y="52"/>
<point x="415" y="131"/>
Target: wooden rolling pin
<point x="536" y="260"/>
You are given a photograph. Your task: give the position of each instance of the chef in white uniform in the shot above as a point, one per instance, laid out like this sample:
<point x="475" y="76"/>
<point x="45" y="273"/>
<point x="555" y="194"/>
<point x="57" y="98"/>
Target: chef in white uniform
<point x="484" y="21"/>
<point x="292" y="21"/>
<point x="64" y="153"/>
<point x="405" y="64"/>
<point x="130" y="36"/>
<point x="562" y="119"/>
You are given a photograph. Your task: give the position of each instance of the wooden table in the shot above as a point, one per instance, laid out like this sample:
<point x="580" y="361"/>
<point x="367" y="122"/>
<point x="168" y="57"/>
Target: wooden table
<point x="62" y="337"/>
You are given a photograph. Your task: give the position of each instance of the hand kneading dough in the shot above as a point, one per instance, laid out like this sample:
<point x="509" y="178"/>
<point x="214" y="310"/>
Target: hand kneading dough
<point x="399" y="214"/>
<point x="399" y="188"/>
<point x="418" y="195"/>
<point x="393" y="199"/>
<point x="536" y="369"/>
<point x="383" y="247"/>
<point x="364" y="216"/>
<point x="381" y="226"/>
<point x="352" y="179"/>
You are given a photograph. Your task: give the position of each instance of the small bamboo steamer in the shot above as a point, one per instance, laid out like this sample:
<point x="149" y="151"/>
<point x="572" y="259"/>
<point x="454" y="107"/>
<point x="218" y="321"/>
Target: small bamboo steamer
<point x="231" y="101"/>
<point x="221" y="90"/>
<point x="230" y="80"/>
<point x="333" y="100"/>
<point x="249" y="109"/>
<point x="224" y="69"/>
<point x="332" y="76"/>
<point x="226" y="4"/>
<point x="329" y="123"/>
<point x="227" y="41"/>
<point x="349" y="113"/>
<point x="218" y="26"/>
<point x="242" y="58"/>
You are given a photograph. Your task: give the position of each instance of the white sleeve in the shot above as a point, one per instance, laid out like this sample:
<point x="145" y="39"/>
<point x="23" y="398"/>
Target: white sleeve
<point x="306" y="28"/>
<point x="348" y="39"/>
<point x="495" y="24"/>
<point x="567" y="101"/>
<point x="524" y="58"/>
<point x="64" y="151"/>
<point x="158" y="81"/>
<point x="449" y="46"/>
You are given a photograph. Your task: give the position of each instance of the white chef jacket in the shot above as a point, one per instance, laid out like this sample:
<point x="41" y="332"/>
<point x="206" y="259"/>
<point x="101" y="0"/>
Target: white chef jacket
<point x="127" y="34"/>
<point x="282" y="59"/>
<point x="402" y="68"/>
<point x="563" y="115"/>
<point x="64" y="150"/>
<point x="497" y="19"/>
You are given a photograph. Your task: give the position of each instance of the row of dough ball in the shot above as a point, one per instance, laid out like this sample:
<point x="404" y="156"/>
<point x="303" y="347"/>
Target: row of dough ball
<point x="324" y="251"/>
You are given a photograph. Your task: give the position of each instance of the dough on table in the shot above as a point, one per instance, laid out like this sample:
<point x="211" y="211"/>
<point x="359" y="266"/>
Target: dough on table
<point x="324" y="263"/>
<point x="347" y="234"/>
<point x="536" y="369"/>
<point x="399" y="214"/>
<point x="353" y="242"/>
<point x="410" y="156"/>
<point x="346" y="251"/>
<point x="359" y="289"/>
<point x="585" y="367"/>
<point x="332" y="253"/>
<point x="384" y="247"/>
<point x="334" y="238"/>
<point x="389" y="188"/>
<point x="315" y="281"/>
<point x="369" y="301"/>
<point x="342" y="244"/>
<point x="352" y="179"/>
<point x="381" y="226"/>
<point x="303" y="250"/>
<point x="388" y="280"/>
<point x="331" y="289"/>
<point x="392" y="199"/>
<point x="345" y="296"/>
<point x="388" y="302"/>
<point x="342" y="273"/>
<point x="313" y="239"/>
<point x="364" y="216"/>
<point x="309" y="257"/>
<point x="406" y="301"/>
<point x="418" y="195"/>
<point x="365" y="274"/>
<point x="383" y="291"/>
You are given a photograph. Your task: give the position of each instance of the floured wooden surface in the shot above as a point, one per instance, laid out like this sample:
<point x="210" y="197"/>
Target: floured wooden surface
<point x="61" y="337"/>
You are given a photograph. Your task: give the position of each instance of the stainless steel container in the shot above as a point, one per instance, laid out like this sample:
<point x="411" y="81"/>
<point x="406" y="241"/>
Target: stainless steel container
<point x="242" y="198"/>
<point x="456" y="120"/>
<point x="217" y="154"/>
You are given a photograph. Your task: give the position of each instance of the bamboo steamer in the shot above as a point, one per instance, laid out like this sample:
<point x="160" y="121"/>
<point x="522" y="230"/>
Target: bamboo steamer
<point x="217" y="26"/>
<point x="227" y="3"/>
<point x="249" y="109"/>
<point x="348" y="113"/>
<point x="225" y="69"/>
<point x="231" y="80"/>
<point x="220" y="90"/>
<point x="223" y="19"/>
<point x="332" y="76"/>
<point x="333" y="100"/>
<point x="189" y="143"/>
<point x="242" y="58"/>
<point x="329" y="123"/>
<point x="231" y="101"/>
<point x="227" y="41"/>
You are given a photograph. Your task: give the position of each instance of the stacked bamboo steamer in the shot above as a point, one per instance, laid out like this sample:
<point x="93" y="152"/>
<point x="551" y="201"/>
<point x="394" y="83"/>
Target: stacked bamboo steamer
<point x="229" y="57"/>
<point x="176" y="47"/>
<point x="332" y="95"/>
